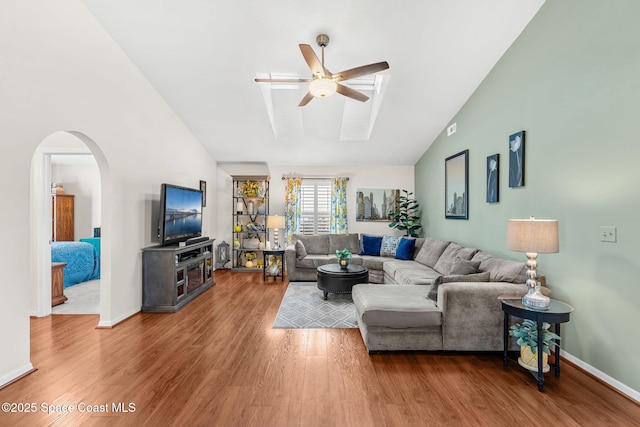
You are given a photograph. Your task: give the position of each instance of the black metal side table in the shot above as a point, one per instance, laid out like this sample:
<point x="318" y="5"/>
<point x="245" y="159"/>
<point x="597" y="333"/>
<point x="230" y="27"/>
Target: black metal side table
<point x="266" y="254"/>
<point x="557" y="313"/>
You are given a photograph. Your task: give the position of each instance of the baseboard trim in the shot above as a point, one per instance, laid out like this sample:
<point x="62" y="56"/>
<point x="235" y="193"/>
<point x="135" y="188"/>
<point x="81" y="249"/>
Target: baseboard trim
<point x="598" y="374"/>
<point x="108" y="324"/>
<point x="16" y="375"/>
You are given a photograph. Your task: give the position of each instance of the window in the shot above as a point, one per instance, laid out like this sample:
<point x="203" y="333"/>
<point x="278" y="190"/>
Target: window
<point x="315" y="206"/>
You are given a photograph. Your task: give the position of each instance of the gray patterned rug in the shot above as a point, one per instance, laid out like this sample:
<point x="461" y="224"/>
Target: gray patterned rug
<point x="303" y="307"/>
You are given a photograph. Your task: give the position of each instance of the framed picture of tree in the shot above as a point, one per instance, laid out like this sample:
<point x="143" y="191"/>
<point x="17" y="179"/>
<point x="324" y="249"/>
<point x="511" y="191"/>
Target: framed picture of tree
<point x="456" y="186"/>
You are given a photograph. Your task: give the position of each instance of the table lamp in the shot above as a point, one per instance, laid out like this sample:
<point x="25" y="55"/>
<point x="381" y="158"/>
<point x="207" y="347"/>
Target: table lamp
<point x="533" y="236"/>
<point x="275" y="222"/>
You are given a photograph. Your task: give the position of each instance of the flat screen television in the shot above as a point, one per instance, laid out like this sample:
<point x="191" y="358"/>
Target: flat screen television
<point x="180" y="216"/>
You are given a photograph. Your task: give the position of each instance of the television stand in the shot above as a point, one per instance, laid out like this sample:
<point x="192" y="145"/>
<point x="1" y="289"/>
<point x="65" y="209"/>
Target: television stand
<point x="172" y="276"/>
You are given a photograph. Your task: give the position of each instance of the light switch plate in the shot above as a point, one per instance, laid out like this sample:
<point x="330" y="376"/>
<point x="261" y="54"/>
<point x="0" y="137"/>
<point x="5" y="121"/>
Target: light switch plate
<point x="608" y="234"/>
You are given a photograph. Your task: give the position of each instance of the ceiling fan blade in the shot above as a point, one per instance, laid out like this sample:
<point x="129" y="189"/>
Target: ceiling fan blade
<point x="282" y="80"/>
<point x="360" y="71"/>
<point x="351" y="93"/>
<point x="312" y="60"/>
<point x="308" y="97"/>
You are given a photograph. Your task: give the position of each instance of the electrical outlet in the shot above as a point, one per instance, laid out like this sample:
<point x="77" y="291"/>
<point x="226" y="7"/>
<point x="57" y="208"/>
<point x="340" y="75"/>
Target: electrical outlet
<point x="451" y="129"/>
<point x="608" y="234"/>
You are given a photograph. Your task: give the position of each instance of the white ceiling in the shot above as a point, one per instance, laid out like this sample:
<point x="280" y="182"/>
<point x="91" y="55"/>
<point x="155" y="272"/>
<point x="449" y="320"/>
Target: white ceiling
<point x="202" y="57"/>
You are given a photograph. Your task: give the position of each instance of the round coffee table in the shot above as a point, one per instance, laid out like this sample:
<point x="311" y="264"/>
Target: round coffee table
<point x="336" y="280"/>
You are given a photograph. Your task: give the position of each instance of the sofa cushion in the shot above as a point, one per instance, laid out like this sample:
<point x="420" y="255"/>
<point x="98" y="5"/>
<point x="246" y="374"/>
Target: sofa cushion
<point x="374" y="262"/>
<point x="344" y="241"/>
<point x="502" y="270"/>
<point x="315" y="261"/>
<point x="416" y="249"/>
<point x="318" y="245"/>
<point x="453" y="251"/>
<point x="392" y="266"/>
<point x="463" y="266"/>
<point x="301" y="252"/>
<point x="405" y="248"/>
<point x="371" y="245"/>
<point x="430" y="251"/>
<point x="406" y="306"/>
<point x="461" y="278"/>
<point x="424" y="276"/>
<point x="389" y="245"/>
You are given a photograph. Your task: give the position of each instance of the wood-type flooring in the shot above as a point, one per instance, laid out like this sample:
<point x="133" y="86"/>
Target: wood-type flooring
<point x="218" y="362"/>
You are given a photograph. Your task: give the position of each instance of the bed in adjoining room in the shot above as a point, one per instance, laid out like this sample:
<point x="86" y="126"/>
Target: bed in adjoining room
<point x="83" y="261"/>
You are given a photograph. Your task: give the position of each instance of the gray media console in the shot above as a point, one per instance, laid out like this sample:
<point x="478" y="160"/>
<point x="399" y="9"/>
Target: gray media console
<point x="172" y="276"/>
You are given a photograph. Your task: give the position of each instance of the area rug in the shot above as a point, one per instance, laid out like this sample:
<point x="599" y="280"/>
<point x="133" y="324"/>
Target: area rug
<point x="303" y="307"/>
<point x="83" y="298"/>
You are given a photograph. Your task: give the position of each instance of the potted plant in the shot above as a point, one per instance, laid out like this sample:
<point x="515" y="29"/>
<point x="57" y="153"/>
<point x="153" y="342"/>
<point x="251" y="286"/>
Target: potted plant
<point x="405" y="217"/>
<point x="527" y="334"/>
<point x="249" y="256"/>
<point x="344" y="257"/>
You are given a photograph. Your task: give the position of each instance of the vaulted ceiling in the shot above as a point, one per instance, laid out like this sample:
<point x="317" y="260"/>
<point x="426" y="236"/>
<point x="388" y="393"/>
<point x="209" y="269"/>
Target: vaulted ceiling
<point x="202" y="57"/>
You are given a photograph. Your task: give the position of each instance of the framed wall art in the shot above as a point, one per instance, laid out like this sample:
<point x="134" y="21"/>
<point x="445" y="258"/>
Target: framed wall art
<point x="493" y="177"/>
<point x="456" y="186"/>
<point x="375" y="204"/>
<point x="516" y="159"/>
<point x="203" y="188"/>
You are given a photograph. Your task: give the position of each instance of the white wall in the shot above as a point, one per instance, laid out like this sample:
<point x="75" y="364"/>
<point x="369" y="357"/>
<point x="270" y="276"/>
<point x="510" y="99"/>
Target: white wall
<point x="80" y="177"/>
<point x="59" y="71"/>
<point x="360" y="176"/>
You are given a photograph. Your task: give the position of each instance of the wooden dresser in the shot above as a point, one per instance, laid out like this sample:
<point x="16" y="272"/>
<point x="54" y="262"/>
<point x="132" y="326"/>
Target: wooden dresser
<point x="57" y="283"/>
<point x="62" y="208"/>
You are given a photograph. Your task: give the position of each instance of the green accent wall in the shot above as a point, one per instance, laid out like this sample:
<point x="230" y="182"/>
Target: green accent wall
<point x="572" y="82"/>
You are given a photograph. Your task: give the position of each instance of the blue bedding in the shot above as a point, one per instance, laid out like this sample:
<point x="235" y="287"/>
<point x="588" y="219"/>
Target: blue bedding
<point x="83" y="262"/>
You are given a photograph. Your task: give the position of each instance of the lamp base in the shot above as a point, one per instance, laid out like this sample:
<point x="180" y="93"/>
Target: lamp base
<point x="536" y="299"/>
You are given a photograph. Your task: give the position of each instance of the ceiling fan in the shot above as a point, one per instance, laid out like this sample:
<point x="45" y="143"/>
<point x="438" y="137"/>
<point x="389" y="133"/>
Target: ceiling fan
<point x="323" y="83"/>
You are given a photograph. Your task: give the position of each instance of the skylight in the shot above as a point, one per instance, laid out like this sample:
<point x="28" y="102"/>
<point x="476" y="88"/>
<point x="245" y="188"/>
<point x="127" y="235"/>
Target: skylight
<point x="337" y="117"/>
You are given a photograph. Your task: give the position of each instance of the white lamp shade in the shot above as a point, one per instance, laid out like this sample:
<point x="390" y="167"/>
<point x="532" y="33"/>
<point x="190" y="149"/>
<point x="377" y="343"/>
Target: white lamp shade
<point x="533" y="235"/>
<point x="322" y="87"/>
<point x="275" y="221"/>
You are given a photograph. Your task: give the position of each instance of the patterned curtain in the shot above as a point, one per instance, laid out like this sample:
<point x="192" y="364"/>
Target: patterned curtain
<point x="292" y="206"/>
<point x="339" y="223"/>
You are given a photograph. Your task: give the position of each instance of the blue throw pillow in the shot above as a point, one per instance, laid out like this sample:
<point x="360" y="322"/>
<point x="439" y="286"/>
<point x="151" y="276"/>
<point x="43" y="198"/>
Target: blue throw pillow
<point x="371" y="245"/>
<point x="405" y="249"/>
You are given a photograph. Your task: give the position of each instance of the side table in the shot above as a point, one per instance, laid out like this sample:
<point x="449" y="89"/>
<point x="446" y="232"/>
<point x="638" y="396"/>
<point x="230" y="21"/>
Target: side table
<point x="268" y="253"/>
<point x="57" y="283"/>
<point x="557" y="313"/>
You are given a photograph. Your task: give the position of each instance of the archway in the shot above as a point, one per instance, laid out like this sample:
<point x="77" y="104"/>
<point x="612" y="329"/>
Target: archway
<point x="64" y="142"/>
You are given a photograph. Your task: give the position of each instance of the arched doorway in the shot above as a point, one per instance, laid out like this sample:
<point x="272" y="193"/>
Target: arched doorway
<point x="64" y="143"/>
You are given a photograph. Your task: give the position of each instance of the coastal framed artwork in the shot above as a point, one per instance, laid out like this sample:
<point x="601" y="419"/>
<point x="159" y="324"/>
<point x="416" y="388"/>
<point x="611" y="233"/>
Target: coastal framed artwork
<point x="493" y="178"/>
<point x="456" y="186"/>
<point x="516" y="160"/>
<point x="374" y="204"/>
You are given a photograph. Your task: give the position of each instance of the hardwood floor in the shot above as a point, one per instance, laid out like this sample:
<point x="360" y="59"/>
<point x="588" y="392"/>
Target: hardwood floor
<point x="217" y="362"/>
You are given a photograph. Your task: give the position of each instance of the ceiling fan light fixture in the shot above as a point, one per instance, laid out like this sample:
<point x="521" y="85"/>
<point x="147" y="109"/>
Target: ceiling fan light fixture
<point x="322" y="87"/>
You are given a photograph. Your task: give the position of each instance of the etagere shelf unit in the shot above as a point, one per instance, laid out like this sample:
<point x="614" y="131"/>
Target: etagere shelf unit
<point x="249" y="218"/>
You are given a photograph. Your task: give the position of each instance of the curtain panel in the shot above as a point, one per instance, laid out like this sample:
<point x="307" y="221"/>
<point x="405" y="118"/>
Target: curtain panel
<point x="292" y="206"/>
<point x="338" y="220"/>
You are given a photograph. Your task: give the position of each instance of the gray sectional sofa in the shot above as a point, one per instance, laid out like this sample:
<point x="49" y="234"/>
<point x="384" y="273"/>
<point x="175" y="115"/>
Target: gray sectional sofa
<point x="445" y="297"/>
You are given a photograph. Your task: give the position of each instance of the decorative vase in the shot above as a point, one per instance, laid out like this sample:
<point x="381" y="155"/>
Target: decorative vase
<point x="529" y="360"/>
<point x="250" y="208"/>
<point x="344" y="263"/>
<point x="249" y="264"/>
<point x="261" y="209"/>
<point x="274" y="268"/>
